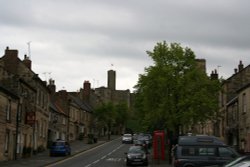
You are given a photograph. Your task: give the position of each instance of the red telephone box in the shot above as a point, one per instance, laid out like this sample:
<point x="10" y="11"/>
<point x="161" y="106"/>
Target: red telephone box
<point x="159" y="145"/>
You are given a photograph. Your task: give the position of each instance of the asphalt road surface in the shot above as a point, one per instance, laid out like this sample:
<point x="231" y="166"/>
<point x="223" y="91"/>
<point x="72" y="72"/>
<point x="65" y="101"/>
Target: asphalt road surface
<point x="110" y="154"/>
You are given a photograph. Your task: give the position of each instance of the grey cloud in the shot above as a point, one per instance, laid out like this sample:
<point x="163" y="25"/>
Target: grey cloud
<point x="120" y="32"/>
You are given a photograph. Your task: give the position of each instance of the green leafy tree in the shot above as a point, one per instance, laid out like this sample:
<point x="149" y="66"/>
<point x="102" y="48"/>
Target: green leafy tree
<point x="122" y="115"/>
<point x="108" y="115"/>
<point x="174" y="91"/>
<point x="105" y="116"/>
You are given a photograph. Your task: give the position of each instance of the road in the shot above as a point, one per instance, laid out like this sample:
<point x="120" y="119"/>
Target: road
<point x="110" y="154"/>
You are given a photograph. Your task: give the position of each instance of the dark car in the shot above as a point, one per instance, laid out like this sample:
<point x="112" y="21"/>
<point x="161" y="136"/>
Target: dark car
<point x="60" y="147"/>
<point x="146" y="138"/>
<point x="200" y="151"/>
<point x="142" y="143"/>
<point x="136" y="155"/>
<point x="234" y="162"/>
<point x="238" y="160"/>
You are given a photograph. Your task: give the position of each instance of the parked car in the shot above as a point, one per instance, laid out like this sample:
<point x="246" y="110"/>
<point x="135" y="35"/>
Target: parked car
<point x="60" y="147"/>
<point x="237" y="161"/>
<point x="127" y="138"/>
<point x="137" y="155"/>
<point x="141" y="143"/>
<point x="242" y="164"/>
<point x="146" y="138"/>
<point x="201" y="151"/>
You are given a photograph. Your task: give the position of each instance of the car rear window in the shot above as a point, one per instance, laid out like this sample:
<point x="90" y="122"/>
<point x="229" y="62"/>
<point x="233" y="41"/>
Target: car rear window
<point x="135" y="149"/>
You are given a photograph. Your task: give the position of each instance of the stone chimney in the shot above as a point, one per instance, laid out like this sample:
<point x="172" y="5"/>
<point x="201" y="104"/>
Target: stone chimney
<point x="52" y="86"/>
<point x="86" y="90"/>
<point x="63" y="94"/>
<point x="240" y="66"/>
<point x="214" y="75"/>
<point x="27" y="62"/>
<point x="11" y="60"/>
<point x="235" y="70"/>
<point x="62" y="100"/>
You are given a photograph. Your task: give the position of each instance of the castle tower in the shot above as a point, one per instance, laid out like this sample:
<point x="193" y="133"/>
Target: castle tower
<point x="111" y="79"/>
<point x="201" y="64"/>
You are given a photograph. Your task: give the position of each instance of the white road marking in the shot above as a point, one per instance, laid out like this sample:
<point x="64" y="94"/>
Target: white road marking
<point x="96" y="161"/>
<point x="104" y="157"/>
<point x="109" y="159"/>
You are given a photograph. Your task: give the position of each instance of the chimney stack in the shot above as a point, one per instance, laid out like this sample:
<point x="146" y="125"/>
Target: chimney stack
<point x="235" y="70"/>
<point x="214" y="75"/>
<point x="52" y="86"/>
<point x="27" y="62"/>
<point x="86" y="90"/>
<point x="11" y="60"/>
<point x="240" y="66"/>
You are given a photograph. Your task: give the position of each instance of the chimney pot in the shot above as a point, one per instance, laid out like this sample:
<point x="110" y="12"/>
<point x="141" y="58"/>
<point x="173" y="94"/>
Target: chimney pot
<point x="240" y="66"/>
<point x="235" y="70"/>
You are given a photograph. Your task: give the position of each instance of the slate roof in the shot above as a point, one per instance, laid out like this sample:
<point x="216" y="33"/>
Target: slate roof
<point x="82" y="104"/>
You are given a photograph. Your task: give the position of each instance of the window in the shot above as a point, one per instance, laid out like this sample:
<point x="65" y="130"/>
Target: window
<point x="244" y="103"/>
<point x="225" y="152"/>
<point x="206" y="151"/>
<point x="39" y="126"/>
<point x="8" y="110"/>
<point x="63" y="121"/>
<point x="188" y="151"/>
<point x="18" y="143"/>
<point x="6" y="145"/>
<point x="45" y="128"/>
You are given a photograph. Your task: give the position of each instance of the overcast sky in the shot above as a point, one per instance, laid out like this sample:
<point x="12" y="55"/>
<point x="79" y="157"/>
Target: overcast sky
<point x="76" y="40"/>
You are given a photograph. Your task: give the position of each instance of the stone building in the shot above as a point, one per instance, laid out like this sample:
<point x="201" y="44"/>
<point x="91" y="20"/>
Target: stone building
<point x="75" y="114"/>
<point x="234" y="109"/>
<point x="58" y="118"/>
<point x="107" y="94"/>
<point x="34" y="102"/>
<point x="98" y="96"/>
<point x="9" y="103"/>
<point x="81" y="115"/>
<point x="243" y="116"/>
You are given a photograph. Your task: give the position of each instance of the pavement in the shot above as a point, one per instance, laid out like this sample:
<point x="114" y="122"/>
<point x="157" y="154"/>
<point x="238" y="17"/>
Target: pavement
<point x="43" y="159"/>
